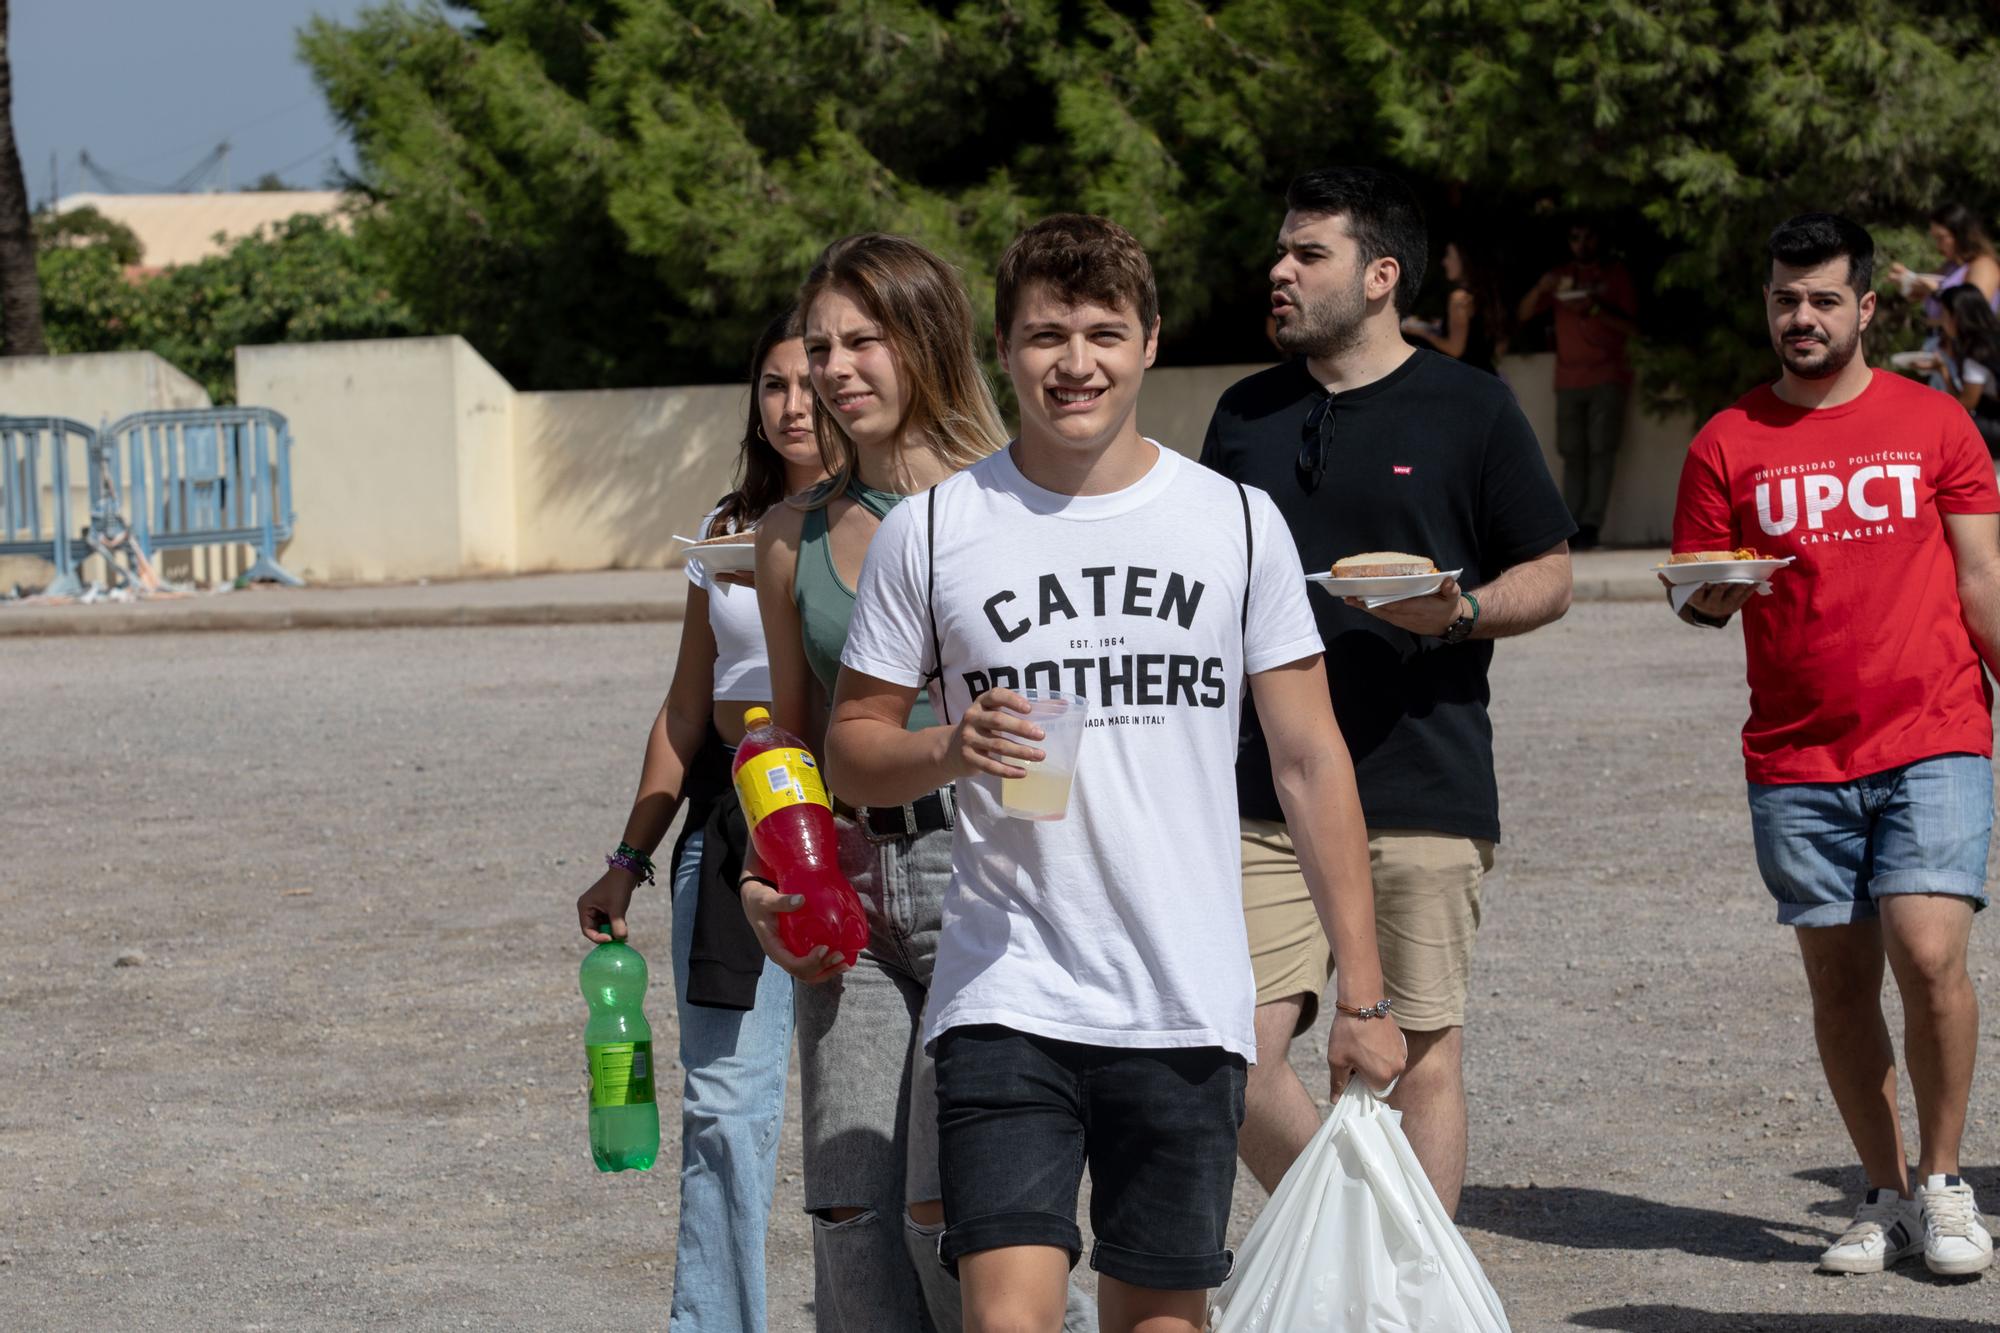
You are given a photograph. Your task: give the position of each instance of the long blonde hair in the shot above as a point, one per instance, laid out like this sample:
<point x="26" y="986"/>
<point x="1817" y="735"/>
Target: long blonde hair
<point x="920" y="304"/>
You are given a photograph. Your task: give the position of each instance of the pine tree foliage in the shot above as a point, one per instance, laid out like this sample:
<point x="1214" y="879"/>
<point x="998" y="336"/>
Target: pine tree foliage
<point x="603" y="192"/>
<point x="1711" y="121"/>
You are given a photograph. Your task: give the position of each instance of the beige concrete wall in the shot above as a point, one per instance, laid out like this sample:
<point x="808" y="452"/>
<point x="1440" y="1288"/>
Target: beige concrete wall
<point x="1177" y="403"/>
<point x="376" y="441"/>
<point x="484" y="405"/>
<point x="1648" y="473"/>
<point x="177" y="229"/>
<point x="92" y="388"/>
<point x="412" y="458"/>
<point x="606" y="478"/>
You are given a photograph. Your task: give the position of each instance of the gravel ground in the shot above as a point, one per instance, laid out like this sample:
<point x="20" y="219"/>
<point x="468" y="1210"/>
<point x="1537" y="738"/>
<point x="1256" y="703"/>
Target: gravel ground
<point x="341" y="1086"/>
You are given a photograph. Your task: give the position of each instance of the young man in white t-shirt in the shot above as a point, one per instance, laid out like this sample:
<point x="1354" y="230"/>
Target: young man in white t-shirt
<point x="1092" y="1001"/>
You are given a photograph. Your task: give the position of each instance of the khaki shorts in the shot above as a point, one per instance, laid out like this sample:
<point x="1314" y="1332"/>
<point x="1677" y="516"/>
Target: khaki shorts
<point x="1426" y="915"/>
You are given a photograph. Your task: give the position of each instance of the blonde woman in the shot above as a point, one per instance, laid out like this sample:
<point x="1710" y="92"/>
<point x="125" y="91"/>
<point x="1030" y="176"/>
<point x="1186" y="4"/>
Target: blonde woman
<point x="901" y="404"/>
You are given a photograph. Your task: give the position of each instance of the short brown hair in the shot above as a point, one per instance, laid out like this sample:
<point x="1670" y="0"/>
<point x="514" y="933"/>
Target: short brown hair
<point x="1082" y="258"/>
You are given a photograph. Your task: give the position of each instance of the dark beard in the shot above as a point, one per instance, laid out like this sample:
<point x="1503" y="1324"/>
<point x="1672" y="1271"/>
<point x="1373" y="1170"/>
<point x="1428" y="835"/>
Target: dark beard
<point x="1835" y="360"/>
<point x="1327" y="329"/>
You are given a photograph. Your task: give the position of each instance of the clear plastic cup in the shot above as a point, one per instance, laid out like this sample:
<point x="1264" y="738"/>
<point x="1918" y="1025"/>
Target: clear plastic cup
<point x="1044" y="793"/>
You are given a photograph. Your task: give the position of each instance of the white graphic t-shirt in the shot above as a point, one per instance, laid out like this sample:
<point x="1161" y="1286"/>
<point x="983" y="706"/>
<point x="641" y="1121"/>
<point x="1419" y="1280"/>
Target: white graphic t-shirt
<point x="1122" y="924"/>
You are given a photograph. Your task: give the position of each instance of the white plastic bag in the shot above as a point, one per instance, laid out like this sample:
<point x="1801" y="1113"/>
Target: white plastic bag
<point x="1356" y="1241"/>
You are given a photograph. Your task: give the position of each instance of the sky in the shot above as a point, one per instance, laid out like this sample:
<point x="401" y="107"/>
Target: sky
<point x="148" y="87"/>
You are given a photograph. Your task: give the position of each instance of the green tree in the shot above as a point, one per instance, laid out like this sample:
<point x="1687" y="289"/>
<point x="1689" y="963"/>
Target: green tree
<point x="86" y="226"/>
<point x="1704" y="124"/>
<point x="305" y="280"/>
<point x="90" y="305"/>
<point x="621" y="191"/>
<point x="618" y="191"/>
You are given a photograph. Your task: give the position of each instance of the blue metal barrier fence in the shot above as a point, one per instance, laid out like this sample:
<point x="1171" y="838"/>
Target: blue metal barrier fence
<point x="210" y="477"/>
<point x="35" y="457"/>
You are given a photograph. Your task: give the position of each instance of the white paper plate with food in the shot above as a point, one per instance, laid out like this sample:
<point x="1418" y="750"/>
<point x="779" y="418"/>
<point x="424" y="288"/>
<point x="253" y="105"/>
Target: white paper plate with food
<point x="1389" y="587"/>
<point x="1382" y="576"/>
<point x="1739" y="566"/>
<point x="735" y="553"/>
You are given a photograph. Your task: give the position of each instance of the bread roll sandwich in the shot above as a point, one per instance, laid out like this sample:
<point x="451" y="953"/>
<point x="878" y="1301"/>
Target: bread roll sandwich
<point x="1381" y="565"/>
<point x="1705" y="557"/>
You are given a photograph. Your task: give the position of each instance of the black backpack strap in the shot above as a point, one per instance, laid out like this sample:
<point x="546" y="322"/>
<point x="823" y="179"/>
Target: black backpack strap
<point x="1249" y="555"/>
<point x="930" y="601"/>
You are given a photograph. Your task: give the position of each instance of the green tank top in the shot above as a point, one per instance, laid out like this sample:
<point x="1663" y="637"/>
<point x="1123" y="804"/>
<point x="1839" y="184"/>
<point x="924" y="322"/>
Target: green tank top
<point x="826" y="603"/>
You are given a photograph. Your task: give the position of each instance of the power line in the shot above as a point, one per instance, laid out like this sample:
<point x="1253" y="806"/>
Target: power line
<point x="203" y="171"/>
<point x="115" y="182"/>
<point x="334" y="142"/>
<point x="118" y="182"/>
<point x="229" y="130"/>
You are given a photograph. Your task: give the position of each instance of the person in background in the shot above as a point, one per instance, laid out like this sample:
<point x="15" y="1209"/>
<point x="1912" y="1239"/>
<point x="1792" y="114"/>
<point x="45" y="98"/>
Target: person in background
<point x="1596" y="314"/>
<point x="1971" y="358"/>
<point x="1960" y="237"/>
<point x="733" y="1096"/>
<point x="1474" y="329"/>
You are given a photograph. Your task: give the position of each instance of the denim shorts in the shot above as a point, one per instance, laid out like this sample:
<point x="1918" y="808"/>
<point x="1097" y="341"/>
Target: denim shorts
<point x="1828" y="850"/>
<point x="1020" y="1116"/>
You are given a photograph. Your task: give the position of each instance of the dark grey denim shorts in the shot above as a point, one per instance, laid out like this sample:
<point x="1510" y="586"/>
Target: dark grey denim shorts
<point x="1020" y="1116"/>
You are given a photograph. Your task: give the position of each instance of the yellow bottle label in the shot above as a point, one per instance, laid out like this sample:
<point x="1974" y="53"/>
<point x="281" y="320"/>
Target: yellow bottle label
<point x="776" y="780"/>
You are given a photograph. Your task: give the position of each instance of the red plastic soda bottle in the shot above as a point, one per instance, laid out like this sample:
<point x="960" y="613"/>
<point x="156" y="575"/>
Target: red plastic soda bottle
<point x="791" y="826"/>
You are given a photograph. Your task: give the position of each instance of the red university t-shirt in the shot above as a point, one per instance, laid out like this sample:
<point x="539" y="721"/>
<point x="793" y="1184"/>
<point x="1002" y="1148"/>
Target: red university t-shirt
<point x="1859" y="661"/>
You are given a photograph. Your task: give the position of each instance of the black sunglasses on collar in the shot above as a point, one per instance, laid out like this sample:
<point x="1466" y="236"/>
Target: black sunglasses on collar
<point x="1318" y="438"/>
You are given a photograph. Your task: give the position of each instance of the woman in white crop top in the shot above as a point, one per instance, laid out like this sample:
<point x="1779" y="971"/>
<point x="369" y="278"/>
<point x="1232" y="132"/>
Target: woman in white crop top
<point x="735" y="1062"/>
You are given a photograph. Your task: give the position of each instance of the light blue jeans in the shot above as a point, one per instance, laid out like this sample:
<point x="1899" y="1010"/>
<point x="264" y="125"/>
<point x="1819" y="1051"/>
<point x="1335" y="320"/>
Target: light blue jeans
<point x="1830" y="850"/>
<point x="732" y="1107"/>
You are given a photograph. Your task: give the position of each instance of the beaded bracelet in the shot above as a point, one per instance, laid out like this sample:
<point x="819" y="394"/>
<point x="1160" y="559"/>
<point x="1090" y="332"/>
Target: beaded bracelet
<point x="633" y="861"/>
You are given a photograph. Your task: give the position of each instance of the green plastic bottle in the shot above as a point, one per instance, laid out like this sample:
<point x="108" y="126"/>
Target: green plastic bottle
<point x="618" y="1043"/>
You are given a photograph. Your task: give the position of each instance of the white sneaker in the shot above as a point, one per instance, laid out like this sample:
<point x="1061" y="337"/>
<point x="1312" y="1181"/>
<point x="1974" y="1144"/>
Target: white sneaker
<point x="1955" y="1240"/>
<point x="1887" y="1230"/>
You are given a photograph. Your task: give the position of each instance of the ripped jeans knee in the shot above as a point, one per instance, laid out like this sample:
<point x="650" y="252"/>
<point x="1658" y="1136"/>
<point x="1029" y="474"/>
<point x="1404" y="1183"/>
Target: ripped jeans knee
<point x="839" y="1219"/>
<point x="876" y="1275"/>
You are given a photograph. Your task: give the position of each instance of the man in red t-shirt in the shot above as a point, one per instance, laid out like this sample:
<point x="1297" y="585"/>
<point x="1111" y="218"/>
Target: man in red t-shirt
<point x="1870" y="740"/>
<point x="1595" y="308"/>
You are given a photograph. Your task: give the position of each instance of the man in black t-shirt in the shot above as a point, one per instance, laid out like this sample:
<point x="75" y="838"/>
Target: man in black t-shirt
<point x="1368" y="444"/>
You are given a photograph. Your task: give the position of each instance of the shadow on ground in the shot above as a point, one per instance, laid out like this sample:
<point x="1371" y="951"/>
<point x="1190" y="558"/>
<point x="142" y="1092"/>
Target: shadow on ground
<point x="1682" y="1319"/>
<point x="1848" y="1185"/>
<point x="1590" y="1219"/>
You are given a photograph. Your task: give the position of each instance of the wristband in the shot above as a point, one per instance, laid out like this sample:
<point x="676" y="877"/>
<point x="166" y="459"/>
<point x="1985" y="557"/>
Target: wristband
<point x="1460" y="629"/>
<point x="1379" y="1009"/>
<point x="632" y="861"/>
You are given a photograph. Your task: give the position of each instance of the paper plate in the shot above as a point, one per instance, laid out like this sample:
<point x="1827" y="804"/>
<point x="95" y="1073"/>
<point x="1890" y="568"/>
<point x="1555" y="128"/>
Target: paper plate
<point x="724" y="557"/>
<point x="1722" y="571"/>
<point x="1393" y="588"/>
